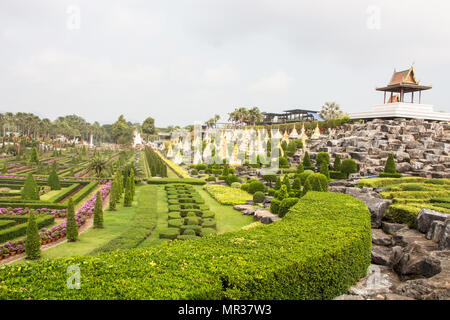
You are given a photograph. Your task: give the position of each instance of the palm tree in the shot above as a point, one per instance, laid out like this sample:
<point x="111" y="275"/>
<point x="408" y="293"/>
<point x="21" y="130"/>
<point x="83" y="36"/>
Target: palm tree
<point x="98" y="165"/>
<point x="331" y="110"/>
<point x="254" y="115"/>
<point x="216" y="118"/>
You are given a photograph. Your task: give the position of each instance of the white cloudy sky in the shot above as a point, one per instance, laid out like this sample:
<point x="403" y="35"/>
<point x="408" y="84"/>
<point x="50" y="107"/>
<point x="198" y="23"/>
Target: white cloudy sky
<point x="182" y="61"/>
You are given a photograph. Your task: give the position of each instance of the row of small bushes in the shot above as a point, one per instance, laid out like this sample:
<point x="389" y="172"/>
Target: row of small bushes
<point x="227" y="195"/>
<point x="4" y="224"/>
<point x="320" y="249"/>
<point x="21" y="229"/>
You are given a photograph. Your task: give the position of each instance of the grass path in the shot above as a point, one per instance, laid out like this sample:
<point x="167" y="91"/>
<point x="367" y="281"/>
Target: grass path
<point x="115" y="222"/>
<point x="161" y="220"/>
<point x="227" y="218"/>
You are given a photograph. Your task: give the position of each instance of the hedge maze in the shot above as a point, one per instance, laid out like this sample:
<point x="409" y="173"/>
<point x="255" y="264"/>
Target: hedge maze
<point x="189" y="217"/>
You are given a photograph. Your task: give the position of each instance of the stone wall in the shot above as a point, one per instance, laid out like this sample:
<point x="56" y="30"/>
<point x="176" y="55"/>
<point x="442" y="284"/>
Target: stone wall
<point x="420" y="148"/>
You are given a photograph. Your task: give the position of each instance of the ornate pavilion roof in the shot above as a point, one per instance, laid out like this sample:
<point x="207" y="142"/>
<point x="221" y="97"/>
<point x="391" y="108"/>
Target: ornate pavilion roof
<point x="405" y="81"/>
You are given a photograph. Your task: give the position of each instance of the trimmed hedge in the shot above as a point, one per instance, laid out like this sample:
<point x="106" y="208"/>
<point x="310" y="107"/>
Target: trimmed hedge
<point x="21" y="229"/>
<point x="320" y="249"/>
<point x="403" y="213"/>
<point x="4" y="224"/>
<point x="171" y="180"/>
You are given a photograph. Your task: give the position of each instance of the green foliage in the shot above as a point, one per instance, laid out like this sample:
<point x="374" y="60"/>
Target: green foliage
<point x="113" y="197"/>
<point x="236" y="185"/>
<point x="98" y="211"/>
<point x="291" y="148"/>
<point x="321" y="158"/>
<point x="337" y="166"/>
<point x="390" y="175"/>
<point x="227" y="195"/>
<point x="30" y="189"/>
<point x="71" y="224"/>
<point x="231" y="178"/>
<point x="53" y="180"/>
<point x="277" y="184"/>
<point x="282" y="193"/>
<point x="349" y="166"/>
<point x="303" y="176"/>
<point x="406" y="214"/>
<point x="324" y="170"/>
<point x="275" y="266"/>
<point x="283" y="162"/>
<point x="270" y="178"/>
<point x="413" y="187"/>
<point x="33" y="240"/>
<point x="258" y="197"/>
<point x="285" y="205"/>
<point x="300" y="168"/>
<point x="390" y="165"/>
<point x="287" y="183"/>
<point x="306" y="160"/>
<point x="256" y="186"/>
<point x="275" y="205"/>
<point x="297" y="184"/>
<point x="337" y="175"/>
<point x="34" y="156"/>
<point x="20" y="229"/>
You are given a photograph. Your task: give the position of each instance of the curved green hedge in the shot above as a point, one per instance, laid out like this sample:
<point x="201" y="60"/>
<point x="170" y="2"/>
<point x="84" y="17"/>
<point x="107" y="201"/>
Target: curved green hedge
<point x="319" y="249"/>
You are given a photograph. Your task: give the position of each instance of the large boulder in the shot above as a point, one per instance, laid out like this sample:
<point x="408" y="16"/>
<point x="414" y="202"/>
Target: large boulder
<point x="391" y="228"/>
<point x="426" y="217"/>
<point x="377" y="208"/>
<point x="382" y="255"/>
<point x="444" y="239"/>
<point x="414" y="261"/>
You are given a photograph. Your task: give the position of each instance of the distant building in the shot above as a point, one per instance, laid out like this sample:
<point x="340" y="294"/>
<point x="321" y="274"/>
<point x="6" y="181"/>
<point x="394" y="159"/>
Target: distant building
<point x="290" y="116"/>
<point x="404" y="100"/>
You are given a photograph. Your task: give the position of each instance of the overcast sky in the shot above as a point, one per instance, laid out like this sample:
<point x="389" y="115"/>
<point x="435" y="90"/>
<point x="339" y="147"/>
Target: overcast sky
<point x="183" y="61"/>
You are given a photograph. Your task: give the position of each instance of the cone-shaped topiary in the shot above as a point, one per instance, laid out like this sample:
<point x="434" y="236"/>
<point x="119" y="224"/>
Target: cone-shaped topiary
<point x="113" y="196"/>
<point x="30" y="190"/>
<point x="324" y="170"/>
<point x="337" y="166"/>
<point x="53" y="181"/>
<point x="71" y="223"/>
<point x="287" y="183"/>
<point x="277" y="184"/>
<point x="321" y="158"/>
<point x="390" y="164"/>
<point x="306" y="160"/>
<point x="132" y="184"/>
<point x="297" y="184"/>
<point x="33" y="240"/>
<point x="282" y="193"/>
<point x="300" y="168"/>
<point x="34" y="156"/>
<point x="98" y="212"/>
<point x="127" y="201"/>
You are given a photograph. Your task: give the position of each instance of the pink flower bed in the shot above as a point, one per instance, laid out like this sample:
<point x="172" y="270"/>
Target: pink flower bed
<point x="24" y="211"/>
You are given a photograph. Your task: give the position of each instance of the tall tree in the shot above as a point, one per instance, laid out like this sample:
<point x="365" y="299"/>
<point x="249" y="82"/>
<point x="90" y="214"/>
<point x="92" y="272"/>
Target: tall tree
<point x="331" y="110"/>
<point x="148" y="127"/>
<point x="33" y="240"/>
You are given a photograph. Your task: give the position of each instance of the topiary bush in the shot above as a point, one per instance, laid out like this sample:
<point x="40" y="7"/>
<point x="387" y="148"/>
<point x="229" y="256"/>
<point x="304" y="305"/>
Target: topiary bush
<point x="285" y="205"/>
<point x="275" y="205"/>
<point x="71" y="224"/>
<point x="258" y="197"/>
<point x="236" y="185"/>
<point x="337" y="166"/>
<point x="390" y="165"/>
<point x="321" y="158"/>
<point x="33" y="240"/>
<point x="349" y="166"/>
<point x="30" y="189"/>
<point x="98" y="212"/>
<point x="256" y="186"/>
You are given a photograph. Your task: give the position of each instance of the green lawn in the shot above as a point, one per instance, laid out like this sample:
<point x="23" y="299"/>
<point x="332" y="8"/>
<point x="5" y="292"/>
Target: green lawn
<point x="171" y="174"/>
<point x="227" y="218"/>
<point x="161" y="220"/>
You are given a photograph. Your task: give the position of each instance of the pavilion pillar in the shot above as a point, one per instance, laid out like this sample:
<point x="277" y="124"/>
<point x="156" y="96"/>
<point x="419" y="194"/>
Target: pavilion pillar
<point x="412" y="97"/>
<point x="420" y="96"/>
<point x="384" y="101"/>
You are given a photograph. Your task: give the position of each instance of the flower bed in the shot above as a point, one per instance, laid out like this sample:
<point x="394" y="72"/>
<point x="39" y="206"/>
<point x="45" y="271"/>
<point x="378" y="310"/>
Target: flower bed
<point x="58" y="213"/>
<point x="227" y="195"/>
<point x="59" y="231"/>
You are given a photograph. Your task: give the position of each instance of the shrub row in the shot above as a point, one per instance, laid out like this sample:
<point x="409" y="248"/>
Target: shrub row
<point x="171" y="180"/>
<point x="4" y="224"/>
<point x="21" y="229"/>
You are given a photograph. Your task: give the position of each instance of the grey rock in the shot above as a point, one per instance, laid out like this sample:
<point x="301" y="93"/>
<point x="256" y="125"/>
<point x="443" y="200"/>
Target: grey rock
<point x="242" y="207"/>
<point x="426" y="217"/>
<point x="348" y="297"/>
<point x="393" y="296"/>
<point x="435" y="230"/>
<point x="382" y="255"/>
<point x="416" y="262"/>
<point x="380" y="238"/>
<point x="444" y="240"/>
<point x="391" y="228"/>
<point x="405" y="237"/>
